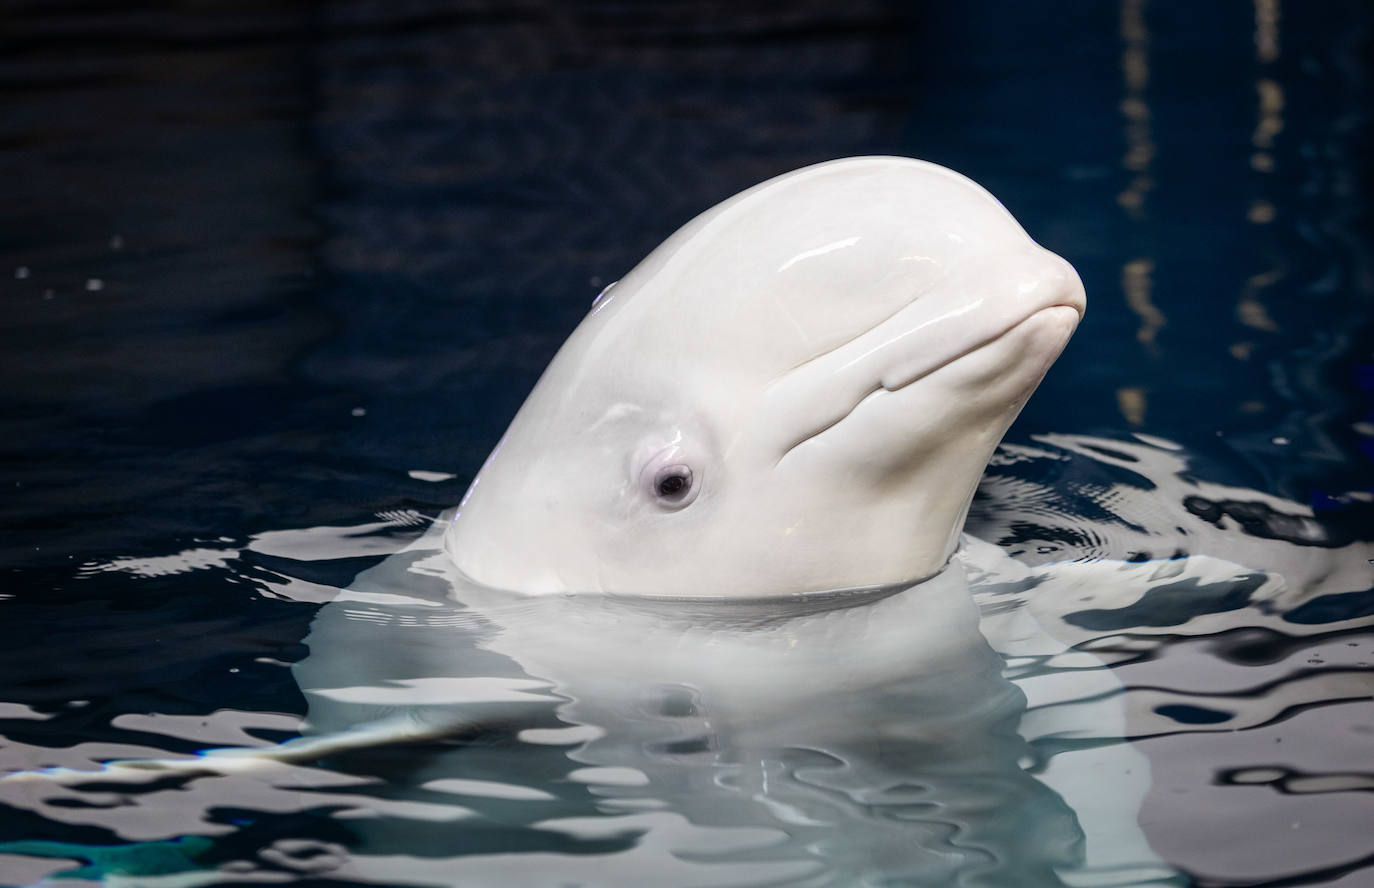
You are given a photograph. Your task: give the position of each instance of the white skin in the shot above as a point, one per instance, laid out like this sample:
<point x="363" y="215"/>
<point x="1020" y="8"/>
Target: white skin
<point x="796" y="392"/>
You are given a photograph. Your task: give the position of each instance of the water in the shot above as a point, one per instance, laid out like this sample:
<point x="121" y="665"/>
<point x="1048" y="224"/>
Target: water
<point x="269" y="268"/>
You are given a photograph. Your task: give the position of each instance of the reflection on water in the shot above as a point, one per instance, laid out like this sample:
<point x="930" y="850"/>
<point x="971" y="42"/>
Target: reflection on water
<point x="832" y="742"/>
<point x="1136" y="274"/>
<point x="1135" y="108"/>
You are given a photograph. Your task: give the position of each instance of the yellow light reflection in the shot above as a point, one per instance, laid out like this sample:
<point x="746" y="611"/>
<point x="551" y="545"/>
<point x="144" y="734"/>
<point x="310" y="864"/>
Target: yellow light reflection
<point x="1251" y="310"/>
<point x="1267" y="30"/>
<point x="1137" y="275"/>
<point x="1137" y="283"/>
<point x="1135" y="72"/>
<point x="1131" y="402"/>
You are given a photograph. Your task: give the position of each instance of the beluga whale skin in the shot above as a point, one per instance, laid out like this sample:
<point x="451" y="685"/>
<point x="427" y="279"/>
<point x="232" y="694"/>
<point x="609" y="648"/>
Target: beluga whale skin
<point x="796" y="392"/>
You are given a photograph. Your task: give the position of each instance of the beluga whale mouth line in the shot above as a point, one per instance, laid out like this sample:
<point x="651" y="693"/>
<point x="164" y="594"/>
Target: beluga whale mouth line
<point x="778" y="399"/>
<point x="891" y="385"/>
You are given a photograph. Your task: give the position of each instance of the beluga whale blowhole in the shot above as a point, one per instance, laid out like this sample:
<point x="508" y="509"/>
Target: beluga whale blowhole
<point x="796" y="392"/>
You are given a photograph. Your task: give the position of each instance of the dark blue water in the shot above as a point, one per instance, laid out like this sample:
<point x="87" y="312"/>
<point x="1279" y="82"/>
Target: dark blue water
<point x="260" y="261"/>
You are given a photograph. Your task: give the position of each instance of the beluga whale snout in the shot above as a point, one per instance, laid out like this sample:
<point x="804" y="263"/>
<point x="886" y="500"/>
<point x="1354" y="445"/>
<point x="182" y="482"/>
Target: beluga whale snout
<point x="796" y="392"/>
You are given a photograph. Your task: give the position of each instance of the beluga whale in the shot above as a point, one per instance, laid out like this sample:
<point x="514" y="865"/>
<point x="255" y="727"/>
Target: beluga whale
<point x="712" y="576"/>
<point x="796" y="392"/>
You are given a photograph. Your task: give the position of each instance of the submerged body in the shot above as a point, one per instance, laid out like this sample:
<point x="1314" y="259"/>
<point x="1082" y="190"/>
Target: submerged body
<point x="821" y="739"/>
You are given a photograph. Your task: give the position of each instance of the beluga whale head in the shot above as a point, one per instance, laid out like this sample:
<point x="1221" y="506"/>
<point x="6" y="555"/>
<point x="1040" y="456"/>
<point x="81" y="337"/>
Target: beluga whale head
<point x="796" y="392"/>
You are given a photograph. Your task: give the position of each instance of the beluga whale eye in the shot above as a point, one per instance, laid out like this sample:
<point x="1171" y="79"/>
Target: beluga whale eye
<point x="669" y="481"/>
<point x="673" y="483"/>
